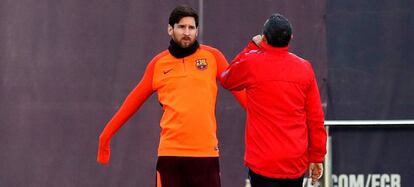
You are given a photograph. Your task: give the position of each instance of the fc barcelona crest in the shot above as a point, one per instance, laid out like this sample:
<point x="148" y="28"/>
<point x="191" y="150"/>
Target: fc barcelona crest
<point x="201" y="64"/>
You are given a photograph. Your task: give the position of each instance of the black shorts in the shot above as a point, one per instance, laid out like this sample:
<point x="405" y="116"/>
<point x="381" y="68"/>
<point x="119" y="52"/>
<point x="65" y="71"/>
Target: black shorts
<point x="257" y="180"/>
<point x="188" y="171"/>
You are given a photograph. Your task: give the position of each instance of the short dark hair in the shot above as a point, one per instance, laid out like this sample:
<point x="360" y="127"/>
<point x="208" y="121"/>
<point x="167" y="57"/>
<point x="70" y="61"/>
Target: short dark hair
<point x="182" y="11"/>
<point x="277" y="31"/>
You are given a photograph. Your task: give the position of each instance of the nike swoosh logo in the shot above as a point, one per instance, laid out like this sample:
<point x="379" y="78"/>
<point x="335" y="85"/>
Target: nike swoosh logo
<point x="166" y="71"/>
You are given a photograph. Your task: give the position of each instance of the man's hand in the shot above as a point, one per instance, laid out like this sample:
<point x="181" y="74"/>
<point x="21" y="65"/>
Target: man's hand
<point x="315" y="171"/>
<point x="257" y="39"/>
<point x="103" y="153"/>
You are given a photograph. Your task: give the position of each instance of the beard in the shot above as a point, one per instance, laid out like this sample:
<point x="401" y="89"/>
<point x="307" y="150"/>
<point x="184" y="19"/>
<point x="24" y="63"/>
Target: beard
<point x="184" y="42"/>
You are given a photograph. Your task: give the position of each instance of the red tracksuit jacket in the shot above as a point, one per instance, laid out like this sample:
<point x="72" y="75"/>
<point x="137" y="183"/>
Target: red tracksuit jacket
<point x="285" y="122"/>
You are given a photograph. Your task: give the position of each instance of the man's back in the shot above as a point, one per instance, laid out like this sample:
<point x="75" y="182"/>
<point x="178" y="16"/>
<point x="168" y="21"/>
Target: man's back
<point x="277" y="97"/>
<point x="283" y="110"/>
<point x="285" y="134"/>
<point x="279" y="83"/>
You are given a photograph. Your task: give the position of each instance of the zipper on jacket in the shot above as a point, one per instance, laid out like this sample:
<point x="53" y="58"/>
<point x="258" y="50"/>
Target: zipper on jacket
<point x="184" y="66"/>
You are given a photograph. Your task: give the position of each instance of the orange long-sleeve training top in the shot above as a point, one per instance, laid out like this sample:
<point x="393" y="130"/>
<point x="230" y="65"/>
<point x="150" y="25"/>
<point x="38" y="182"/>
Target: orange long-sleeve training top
<point x="187" y="90"/>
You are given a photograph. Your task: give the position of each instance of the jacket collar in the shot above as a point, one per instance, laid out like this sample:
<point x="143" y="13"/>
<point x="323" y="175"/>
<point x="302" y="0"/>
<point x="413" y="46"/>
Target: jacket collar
<point x="266" y="47"/>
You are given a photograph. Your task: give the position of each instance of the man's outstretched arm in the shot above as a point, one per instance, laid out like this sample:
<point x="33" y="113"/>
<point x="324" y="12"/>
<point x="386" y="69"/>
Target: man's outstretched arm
<point x="131" y="104"/>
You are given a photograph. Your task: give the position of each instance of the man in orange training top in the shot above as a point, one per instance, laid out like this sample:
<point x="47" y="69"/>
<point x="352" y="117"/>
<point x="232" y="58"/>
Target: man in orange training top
<point x="188" y="138"/>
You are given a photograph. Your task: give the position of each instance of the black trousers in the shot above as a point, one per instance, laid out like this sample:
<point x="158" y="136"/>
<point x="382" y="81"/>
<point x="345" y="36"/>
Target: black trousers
<point x="257" y="180"/>
<point x="188" y="171"/>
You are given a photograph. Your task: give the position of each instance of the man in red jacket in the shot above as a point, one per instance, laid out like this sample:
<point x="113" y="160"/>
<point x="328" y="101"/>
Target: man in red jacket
<point x="285" y="132"/>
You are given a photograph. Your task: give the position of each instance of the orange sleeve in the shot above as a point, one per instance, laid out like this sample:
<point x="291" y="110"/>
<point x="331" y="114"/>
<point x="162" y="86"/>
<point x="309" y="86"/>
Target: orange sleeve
<point x="131" y="104"/>
<point x="222" y="64"/>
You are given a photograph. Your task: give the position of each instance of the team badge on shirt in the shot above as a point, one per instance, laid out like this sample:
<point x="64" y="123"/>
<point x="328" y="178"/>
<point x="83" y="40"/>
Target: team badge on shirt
<point x="201" y="64"/>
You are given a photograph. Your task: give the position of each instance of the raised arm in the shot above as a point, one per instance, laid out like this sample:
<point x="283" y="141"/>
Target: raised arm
<point x="222" y="64"/>
<point x="131" y="104"/>
<point x="235" y="77"/>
